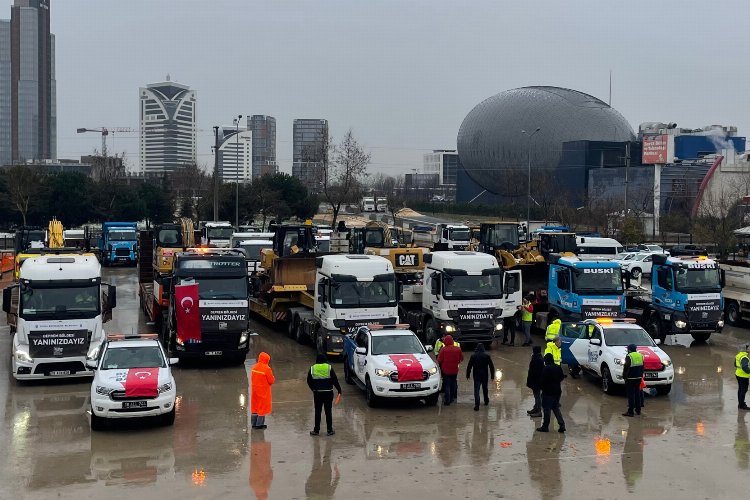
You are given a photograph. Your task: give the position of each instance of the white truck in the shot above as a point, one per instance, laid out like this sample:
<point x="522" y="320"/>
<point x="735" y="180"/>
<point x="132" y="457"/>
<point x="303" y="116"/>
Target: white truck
<point x="736" y="291"/>
<point x="350" y="291"/>
<point x="217" y="234"/>
<point x="368" y="204"/>
<point x="466" y="295"/>
<point x="60" y="309"/>
<point x="442" y="236"/>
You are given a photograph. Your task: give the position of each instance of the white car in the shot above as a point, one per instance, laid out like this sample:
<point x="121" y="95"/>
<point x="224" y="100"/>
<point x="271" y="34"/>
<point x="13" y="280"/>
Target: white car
<point x="650" y="248"/>
<point x="601" y="351"/>
<point x="390" y="362"/>
<point x="638" y="264"/>
<point x="132" y="379"/>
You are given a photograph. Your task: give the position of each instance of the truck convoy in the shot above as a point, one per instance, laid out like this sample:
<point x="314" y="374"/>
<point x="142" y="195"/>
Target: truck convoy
<point x="118" y="243"/>
<point x="60" y="311"/>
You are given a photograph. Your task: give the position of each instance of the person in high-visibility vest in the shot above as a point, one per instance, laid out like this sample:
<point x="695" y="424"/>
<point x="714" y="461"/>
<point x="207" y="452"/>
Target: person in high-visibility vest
<point x="527" y="318"/>
<point x="742" y="372"/>
<point x="553" y="348"/>
<point x="633" y="373"/>
<point x="553" y="330"/>
<point x="439" y="344"/>
<point x="322" y="379"/>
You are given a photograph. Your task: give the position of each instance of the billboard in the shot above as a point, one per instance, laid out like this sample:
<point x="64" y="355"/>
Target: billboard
<point x="655" y="149"/>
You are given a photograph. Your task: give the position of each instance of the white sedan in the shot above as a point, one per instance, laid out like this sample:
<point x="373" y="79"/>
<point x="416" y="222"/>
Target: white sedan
<point x="600" y="346"/>
<point x="132" y="379"/>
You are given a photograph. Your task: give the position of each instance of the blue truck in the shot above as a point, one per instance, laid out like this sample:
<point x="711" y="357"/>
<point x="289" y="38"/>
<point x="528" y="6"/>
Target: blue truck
<point x="118" y="243"/>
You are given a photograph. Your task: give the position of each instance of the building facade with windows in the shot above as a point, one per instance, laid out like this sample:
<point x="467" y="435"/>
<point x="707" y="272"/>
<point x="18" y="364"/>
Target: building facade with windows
<point x="235" y="154"/>
<point x="309" y="149"/>
<point x="167" y="127"/>
<point x="264" y="144"/>
<point x="444" y="163"/>
<point x="6" y="150"/>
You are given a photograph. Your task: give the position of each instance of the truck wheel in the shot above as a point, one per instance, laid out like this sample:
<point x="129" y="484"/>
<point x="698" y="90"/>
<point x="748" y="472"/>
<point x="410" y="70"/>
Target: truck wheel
<point x="291" y="328"/>
<point x="608" y="386"/>
<point x="663" y="390"/>
<point x="430" y="332"/>
<point x="635" y="273"/>
<point x="732" y="312"/>
<point x="372" y="399"/>
<point x="299" y="333"/>
<point x="432" y="399"/>
<point x="347" y="372"/>
<point x="701" y="337"/>
<point x="97" y="423"/>
<point x="654" y="328"/>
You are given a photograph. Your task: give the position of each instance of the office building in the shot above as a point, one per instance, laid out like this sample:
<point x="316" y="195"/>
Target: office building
<point x="264" y="144"/>
<point x="235" y="154"/>
<point x="310" y="149"/>
<point x="167" y="127"/>
<point x="6" y="150"/>
<point x="444" y="163"/>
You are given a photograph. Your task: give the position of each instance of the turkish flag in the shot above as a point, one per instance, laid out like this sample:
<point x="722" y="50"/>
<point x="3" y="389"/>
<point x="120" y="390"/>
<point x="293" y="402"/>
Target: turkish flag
<point x="187" y="313"/>
<point x="142" y="383"/>
<point x="408" y="367"/>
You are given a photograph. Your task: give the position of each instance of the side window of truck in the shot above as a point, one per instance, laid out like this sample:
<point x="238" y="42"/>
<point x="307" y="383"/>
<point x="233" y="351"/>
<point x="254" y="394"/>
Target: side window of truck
<point x="563" y="279"/>
<point x="664" y="278"/>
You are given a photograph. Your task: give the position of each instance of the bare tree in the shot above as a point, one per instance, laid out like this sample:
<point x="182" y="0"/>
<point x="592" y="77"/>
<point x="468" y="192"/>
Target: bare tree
<point x="23" y="185"/>
<point x="392" y="189"/>
<point x="189" y="183"/>
<point x="720" y="214"/>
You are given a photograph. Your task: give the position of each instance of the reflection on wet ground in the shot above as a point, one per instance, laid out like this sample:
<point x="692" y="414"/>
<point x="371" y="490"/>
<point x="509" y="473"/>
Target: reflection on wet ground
<point x="690" y="443"/>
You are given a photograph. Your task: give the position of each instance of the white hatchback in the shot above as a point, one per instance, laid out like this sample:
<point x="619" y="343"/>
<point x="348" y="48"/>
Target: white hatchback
<point x="132" y="379"/>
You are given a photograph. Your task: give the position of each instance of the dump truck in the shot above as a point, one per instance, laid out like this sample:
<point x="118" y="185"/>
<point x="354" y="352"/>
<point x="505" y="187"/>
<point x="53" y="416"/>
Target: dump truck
<point x="118" y="243"/>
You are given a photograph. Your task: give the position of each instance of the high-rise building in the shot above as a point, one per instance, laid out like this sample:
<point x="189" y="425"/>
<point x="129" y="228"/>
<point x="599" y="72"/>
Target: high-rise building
<point x="235" y="154"/>
<point x="264" y="144"/>
<point x="444" y="163"/>
<point x="167" y="131"/>
<point x="6" y="150"/>
<point x="33" y="114"/>
<point x="310" y="149"/>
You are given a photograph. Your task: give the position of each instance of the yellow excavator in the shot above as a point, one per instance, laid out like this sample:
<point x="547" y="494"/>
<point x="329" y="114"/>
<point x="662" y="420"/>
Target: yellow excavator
<point x="32" y="241"/>
<point x="501" y="240"/>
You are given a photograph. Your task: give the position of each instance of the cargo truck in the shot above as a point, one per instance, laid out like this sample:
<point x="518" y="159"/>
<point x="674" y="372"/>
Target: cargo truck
<point x="736" y="290"/>
<point x="118" y="243"/>
<point x="217" y="234"/>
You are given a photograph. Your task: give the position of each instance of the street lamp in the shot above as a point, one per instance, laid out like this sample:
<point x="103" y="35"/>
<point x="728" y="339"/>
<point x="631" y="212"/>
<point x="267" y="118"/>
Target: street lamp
<point x="237" y="172"/>
<point x="528" y="193"/>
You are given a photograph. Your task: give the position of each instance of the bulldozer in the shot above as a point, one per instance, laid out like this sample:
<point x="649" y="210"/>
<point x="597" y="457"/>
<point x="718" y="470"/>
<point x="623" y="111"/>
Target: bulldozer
<point x="501" y="240"/>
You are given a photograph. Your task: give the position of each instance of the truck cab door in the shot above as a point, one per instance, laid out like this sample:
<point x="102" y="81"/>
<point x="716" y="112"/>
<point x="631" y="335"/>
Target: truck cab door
<point x="512" y="293"/>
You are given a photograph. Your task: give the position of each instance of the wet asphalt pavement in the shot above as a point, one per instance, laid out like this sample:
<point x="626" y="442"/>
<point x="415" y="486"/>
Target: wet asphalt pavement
<point x="690" y="444"/>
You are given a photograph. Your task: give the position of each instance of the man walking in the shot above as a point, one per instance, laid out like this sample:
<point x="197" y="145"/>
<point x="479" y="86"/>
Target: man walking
<point x="449" y="358"/>
<point x="261" y="380"/>
<point x="484" y="369"/>
<point x="633" y="373"/>
<point x="534" y="380"/>
<point x="552" y="378"/>
<point x="322" y="379"/>
<point x="742" y="372"/>
<point x="527" y="318"/>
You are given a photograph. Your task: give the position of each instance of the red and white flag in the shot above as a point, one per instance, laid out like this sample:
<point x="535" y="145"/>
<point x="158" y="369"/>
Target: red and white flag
<point x="408" y="367"/>
<point x="187" y="313"/>
<point x="142" y="383"/>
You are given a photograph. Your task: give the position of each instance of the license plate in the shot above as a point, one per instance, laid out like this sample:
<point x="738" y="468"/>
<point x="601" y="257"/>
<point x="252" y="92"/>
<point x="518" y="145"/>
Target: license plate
<point x="651" y="375"/>
<point x="60" y="372"/>
<point x="134" y="404"/>
<point x="411" y="386"/>
<point x="213" y="353"/>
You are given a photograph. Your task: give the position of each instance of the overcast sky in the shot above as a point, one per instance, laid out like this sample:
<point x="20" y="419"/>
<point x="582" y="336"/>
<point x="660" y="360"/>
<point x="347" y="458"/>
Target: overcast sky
<point x="402" y="74"/>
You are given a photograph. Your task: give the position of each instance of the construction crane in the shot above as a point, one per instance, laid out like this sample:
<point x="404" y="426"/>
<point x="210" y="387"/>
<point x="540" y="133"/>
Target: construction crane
<point x="106" y="130"/>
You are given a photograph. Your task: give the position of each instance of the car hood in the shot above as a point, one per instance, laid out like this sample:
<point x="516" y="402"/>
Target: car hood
<point x="653" y="356"/>
<point x="385" y="362"/>
<point x="116" y="378"/>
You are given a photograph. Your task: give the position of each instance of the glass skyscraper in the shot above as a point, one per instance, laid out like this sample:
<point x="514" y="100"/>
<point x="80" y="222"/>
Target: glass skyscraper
<point x="264" y="144"/>
<point x="310" y="141"/>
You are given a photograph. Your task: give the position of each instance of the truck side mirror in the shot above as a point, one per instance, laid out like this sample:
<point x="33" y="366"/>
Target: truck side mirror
<point x="722" y="278"/>
<point x="7" y="298"/>
<point x="435" y="283"/>
<point x="111" y="297"/>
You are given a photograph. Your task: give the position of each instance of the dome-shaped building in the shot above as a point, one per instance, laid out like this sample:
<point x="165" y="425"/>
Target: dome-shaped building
<point x="494" y="151"/>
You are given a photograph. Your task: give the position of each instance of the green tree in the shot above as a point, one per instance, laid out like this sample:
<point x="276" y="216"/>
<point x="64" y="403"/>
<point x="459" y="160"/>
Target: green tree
<point x="68" y="197"/>
<point x="157" y="203"/>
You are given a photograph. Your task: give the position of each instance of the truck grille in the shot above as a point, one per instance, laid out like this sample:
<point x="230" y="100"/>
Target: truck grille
<point x="122" y="252"/>
<point x="72" y="366"/>
<point x="120" y="396"/>
<point x="394" y="376"/>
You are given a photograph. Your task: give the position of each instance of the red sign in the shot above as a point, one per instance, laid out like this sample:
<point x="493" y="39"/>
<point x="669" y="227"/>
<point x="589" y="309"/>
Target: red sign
<point x="187" y="313"/>
<point x="142" y="383"/>
<point x="655" y="149"/>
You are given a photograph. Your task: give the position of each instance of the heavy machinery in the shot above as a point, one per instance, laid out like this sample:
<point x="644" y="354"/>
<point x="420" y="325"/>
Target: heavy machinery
<point x="408" y="264"/>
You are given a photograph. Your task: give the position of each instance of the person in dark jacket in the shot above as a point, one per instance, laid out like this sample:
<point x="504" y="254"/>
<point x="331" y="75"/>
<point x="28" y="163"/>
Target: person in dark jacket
<point x="552" y="377"/>
<point x="449" y="358"/>
<point x="321" y="379"/>
<point x="484" y="369"/>
<point x="534" y="380"/>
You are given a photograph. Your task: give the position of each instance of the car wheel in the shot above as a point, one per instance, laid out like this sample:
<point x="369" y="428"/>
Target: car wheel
<point x="636" y="273"/>
<point x="168" y="418"/>
<point x="97" y="423"/>
<point x="372" y="399"/>
<point x="432" y="399"/>
<point x="608" y="386"/>
<point x="430" y="332"/>
<point x="700" y="337"/>
<point x="654" y="328"/>
<point x="663" y="390"/>
<point x="347" y="372"/>
<point x="734" y="317"/>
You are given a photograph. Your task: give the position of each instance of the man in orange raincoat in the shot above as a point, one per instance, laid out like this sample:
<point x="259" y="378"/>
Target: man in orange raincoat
<point x="261" y="380"/>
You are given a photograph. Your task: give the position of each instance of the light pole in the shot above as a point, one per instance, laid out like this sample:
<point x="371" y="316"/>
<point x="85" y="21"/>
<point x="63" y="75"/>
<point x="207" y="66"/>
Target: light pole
<point x="528" y="192"/>
<point x="237" y="172"/>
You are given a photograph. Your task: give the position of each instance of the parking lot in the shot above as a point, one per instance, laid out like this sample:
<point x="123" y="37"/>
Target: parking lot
<point x="691" y="443"/>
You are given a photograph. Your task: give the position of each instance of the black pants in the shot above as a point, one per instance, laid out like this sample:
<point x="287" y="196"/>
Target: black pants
<point x="323" y="400"/>
<point x="551" y="404"/>
<point x="450" y="388"/>
<point x="481" y="382"/>
<point x="633" y="389"/>
<point x="742" y="384"/>
<point x="510" y="327"/>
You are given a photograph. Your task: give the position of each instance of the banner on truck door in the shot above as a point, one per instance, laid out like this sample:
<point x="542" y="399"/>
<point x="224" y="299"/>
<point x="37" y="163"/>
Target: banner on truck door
<point x="58" y="344"/>
<point x="224" y="315"/>
<point x="187" y="313"/>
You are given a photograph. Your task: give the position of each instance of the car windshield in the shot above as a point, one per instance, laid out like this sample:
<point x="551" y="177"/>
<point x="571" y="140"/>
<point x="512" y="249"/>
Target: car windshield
<point x="219" y="233"/>
<point x="222" y="288"/>
<point x="472" y="287"/>
<point x="459" y="234"/>
<point x="60" y="302"/>
<point x="654" y="248"/>
<point x="623" y="256"/>
<point x="396" y="344"/>
<point x="627" y="336"/>
<point x="122" y="236"/>
<point x="698" y="279"/>
<point x="640" y="256"/>
<point x="598" y="281"/>
<point x="133" y="357"/>
<point x="363" y="293"/>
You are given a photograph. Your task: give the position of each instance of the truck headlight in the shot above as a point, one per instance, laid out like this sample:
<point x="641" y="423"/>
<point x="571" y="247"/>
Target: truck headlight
<point x="666" y="362"/>
<point x="103" y="391"/>
<point x="720" y="323"/>
<point x="450" y="328"/>
<point x="432" y="371"/>
<point x="619" y="361"/>
<point x="380" y="372"/>
<point x="680" y="324"/>
<point x="165" y="387"/>
<point x="24" y="356"/>
<point x="243" y="338"/>
<point x="498" y="327"/>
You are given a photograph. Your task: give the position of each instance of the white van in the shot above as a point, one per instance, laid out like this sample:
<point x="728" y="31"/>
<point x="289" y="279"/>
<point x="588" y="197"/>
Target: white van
<point x="597" y="248"/>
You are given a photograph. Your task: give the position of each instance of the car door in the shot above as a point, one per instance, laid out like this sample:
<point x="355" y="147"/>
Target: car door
<point x="360" y="360"/>
<point x="647" y="264"/>
<point x="594" y="349"/>
<point x="571" y="344"/>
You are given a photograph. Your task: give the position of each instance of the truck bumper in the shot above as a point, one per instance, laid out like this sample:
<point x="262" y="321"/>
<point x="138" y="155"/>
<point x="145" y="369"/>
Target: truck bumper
<point x="49" y="368"/>
<point x="233" y="346"/>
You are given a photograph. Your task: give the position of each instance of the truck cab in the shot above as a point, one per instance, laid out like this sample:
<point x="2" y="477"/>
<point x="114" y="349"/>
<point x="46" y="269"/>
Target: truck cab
<point x="453" y="236"/>
<point x="60" y="308"/>
<point x="217" y="234"/>
<point x="118" y="243"/>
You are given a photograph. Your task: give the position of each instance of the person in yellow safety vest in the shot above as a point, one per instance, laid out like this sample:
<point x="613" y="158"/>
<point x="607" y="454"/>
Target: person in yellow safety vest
<point x="553" y="330"/>
<point x="321" y="379"/>
<point x="633" y="373"/>
<point x="553" y="347"/>
<point x="742" y="372"/>
<point x="439" y="345"/>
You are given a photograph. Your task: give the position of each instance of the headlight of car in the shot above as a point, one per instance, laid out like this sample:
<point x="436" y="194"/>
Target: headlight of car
<point x="499" y="326"/>
<point x="380" y="372"/>
<point x="619" y="361"/>
<point x="104" y="391"/>
<point x="666" y="362"/>
<point x="450" y="328"/>
<point x="165" y="387"/>
<point x="24" y="356"/>
<point x="433" y="370"/>
<point x="680" y="324"/>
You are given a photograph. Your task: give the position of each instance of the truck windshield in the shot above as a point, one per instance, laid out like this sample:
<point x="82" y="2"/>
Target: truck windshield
<point x="374" y="237"/>
<point x="497" y="235"/>
<point x="79" y="302"/>
<point x="122" y="236"/>
<point x="363" y="293"/>
<point x="324" y="245"/>
<point x="459" y="235"/>
<point x="472" y="287"/>
<point x="600" y="281"/>
<point x="694" y="280"/>
<point x="222" y="288"/>
<point x="396" y="344"/>
<point x="219" y="233"/>
<point x="133" y="357"/>
<point x="626" y="336"/>
<point x="253" y="251"/>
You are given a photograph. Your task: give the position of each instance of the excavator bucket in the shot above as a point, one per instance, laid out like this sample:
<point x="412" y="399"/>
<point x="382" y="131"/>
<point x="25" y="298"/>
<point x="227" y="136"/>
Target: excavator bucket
<point x="294" y="272"/>
<point x="55" y="236"/>
<point x="507" y="259"/>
